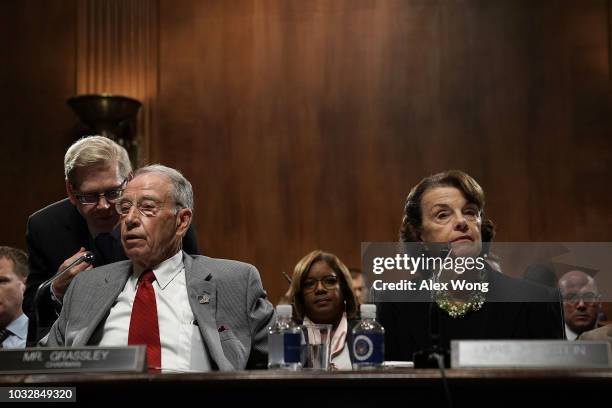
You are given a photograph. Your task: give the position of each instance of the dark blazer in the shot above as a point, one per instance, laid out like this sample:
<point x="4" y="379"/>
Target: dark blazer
<point x="54" y="234"/>
<point x="409" y="325"/>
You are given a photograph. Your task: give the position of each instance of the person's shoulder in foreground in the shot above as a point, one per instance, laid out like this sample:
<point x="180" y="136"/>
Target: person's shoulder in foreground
<point x="601" y="333"/>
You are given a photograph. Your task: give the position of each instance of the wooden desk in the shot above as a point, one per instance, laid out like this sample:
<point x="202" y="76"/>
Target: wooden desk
<point x="378" y="389"/>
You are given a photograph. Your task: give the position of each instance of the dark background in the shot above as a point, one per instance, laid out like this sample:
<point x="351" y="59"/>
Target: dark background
<point x="303" y="124"/>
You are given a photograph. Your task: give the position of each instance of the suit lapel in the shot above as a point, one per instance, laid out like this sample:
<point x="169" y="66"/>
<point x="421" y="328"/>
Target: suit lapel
<point x="203" y="301"/>
<point x="102" y="300"/>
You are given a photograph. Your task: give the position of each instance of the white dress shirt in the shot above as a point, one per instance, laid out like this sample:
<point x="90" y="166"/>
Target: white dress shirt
<point x="18" y="329"/>
<point x="182" y="348"/>
<point x="569" y="333"/>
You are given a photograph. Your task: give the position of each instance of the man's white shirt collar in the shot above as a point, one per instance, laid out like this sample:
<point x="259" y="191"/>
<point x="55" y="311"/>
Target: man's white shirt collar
<point x="19" y="327"/>
<point x="570" y="334"/>
<point x="166" y="271"/>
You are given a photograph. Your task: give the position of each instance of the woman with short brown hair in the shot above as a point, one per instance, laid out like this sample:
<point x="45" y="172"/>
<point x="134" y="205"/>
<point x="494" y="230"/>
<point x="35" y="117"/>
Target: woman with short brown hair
<point x="447" y="209"/>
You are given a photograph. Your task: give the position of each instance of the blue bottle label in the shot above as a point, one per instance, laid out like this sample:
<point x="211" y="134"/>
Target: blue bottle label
<point x="292" y="347"/>
<point x="369" y="348"/>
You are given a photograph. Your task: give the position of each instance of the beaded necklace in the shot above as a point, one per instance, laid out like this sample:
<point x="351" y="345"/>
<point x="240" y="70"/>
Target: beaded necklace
<point x="459" y="309"/>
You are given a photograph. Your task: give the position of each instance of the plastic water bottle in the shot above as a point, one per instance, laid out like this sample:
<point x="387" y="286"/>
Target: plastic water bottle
<point x="368" y="342"/>
<point x="284" y="341"/>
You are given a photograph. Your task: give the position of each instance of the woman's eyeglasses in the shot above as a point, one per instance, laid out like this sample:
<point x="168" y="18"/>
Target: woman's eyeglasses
<point x="329" y="282"/>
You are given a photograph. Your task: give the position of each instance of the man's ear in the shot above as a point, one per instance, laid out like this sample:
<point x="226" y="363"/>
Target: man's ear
<point x="70" y="192"/>
<point x="184" y="221"/>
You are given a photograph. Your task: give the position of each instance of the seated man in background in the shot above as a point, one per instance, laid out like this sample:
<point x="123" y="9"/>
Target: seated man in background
<point x="96" y="170"/>
<point x="193" y="313"/>
<point x="581" y="303"/>
<point x="13" y="275"/>
<point x="360" y="285"/>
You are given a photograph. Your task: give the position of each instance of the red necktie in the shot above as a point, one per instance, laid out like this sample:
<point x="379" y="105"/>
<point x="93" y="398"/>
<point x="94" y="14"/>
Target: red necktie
<point x="144" y="327"/>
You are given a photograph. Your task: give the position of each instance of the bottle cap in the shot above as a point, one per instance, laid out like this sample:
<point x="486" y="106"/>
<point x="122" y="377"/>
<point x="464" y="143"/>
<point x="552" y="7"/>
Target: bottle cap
<point x="368" y="311"/>
<point x="284" y="310"/>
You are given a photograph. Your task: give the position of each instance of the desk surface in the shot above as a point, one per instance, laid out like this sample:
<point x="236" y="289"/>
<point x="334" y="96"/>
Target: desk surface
<point x="467" y="387"/>
<point x="404" y="374"/>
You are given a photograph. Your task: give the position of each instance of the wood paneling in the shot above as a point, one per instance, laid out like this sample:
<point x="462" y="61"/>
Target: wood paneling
<point x="303" y="125"/>
<point x="36" y="76"/>
<point x="117" y="54"/>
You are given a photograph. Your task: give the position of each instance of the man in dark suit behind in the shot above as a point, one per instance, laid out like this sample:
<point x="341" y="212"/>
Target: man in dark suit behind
<point x="96" y="171"/>
<point x="193" y="313"/>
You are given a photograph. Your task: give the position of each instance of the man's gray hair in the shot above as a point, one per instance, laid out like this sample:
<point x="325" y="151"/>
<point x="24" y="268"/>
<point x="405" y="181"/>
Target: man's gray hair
<point x="182" y="192"/>
<point x="95" y="150"/>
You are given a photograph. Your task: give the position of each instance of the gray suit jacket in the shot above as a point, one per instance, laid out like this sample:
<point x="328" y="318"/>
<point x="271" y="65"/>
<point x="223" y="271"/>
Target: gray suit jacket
<point x="232" y="323"/>
<point x="601" y="333"/>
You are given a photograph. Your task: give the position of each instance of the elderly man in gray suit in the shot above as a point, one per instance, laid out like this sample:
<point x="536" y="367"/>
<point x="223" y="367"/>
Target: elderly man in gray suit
<point x="194" y="313"/>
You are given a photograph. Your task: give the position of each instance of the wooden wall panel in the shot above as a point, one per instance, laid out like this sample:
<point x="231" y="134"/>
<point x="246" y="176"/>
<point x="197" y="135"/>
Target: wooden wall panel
<point x="304" y="124"/>
<point x="116" y="44"/>
<point x="36" y="76"/>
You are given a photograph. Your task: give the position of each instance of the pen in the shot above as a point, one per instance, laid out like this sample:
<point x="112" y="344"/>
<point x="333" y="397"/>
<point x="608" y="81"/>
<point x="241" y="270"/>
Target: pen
<point x="286" y="276"/>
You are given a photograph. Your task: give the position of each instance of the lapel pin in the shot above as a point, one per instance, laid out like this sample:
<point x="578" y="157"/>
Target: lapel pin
<point x="204" y="299"/>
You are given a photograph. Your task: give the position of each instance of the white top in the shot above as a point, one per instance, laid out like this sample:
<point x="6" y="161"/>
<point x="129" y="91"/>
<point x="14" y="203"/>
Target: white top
<point x="18" y="329"/>
<point x="343" y="360"/>
<point x="182" y="348"/>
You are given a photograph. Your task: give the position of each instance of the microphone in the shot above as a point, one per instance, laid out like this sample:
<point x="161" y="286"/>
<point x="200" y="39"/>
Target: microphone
<point x="86" y="257"/>
<point x="33" y="327"/>
<point x="435" y="355"/>
<point x="445" y="251"/>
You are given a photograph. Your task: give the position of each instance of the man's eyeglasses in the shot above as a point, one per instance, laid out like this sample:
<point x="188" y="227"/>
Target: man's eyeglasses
<point x="148" y="208"/>
<point x="588" y="298"/>
<point x="329" y="282"/>
<point x="110" y="195"/>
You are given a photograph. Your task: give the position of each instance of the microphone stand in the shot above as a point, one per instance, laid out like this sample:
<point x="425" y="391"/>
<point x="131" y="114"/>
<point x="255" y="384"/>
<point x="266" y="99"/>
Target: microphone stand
<point x="33" y="325"/>
<point x="435" y="355"/>
<point x="432" y="355"/>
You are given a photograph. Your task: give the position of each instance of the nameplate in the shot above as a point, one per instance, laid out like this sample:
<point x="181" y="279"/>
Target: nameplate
<point x="529" y="354"/>
<point x="73" y="359"/>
